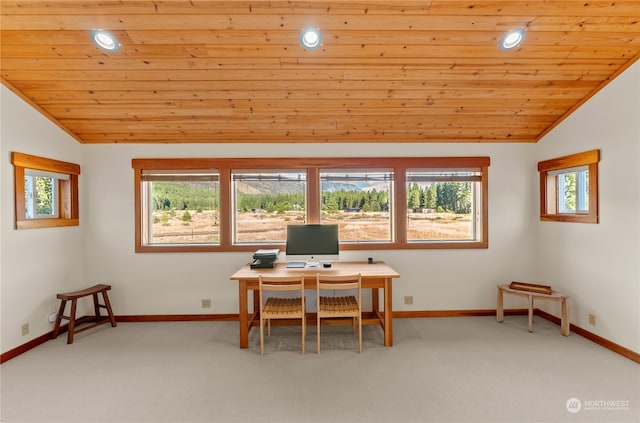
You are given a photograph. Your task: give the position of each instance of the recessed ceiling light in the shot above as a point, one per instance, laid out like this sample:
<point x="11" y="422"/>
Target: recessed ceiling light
<point x="310" y="38"/>
<point x="105" y="40"/>
<point x="512" y="39"/>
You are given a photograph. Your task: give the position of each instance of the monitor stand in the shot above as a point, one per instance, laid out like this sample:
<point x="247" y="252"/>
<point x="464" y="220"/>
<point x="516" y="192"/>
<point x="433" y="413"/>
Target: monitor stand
<point x="312" y="264"/>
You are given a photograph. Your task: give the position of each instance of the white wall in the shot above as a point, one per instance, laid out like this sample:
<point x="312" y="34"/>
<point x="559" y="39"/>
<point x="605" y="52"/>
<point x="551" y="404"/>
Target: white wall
<point x="596" y="264"/>
<point x="175" y="283"/>
<point x="599" y="265"/>
<point x="36" y="263"/>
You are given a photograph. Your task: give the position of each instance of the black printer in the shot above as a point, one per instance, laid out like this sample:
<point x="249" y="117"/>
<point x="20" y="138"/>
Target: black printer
<point x="264" y="259"/>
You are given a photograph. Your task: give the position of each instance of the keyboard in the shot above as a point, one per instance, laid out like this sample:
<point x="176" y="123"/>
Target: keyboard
<point x="296" y="264"/>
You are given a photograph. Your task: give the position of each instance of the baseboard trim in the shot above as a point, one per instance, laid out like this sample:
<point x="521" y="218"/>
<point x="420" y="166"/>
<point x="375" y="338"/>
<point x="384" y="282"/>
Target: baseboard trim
<point x="178" y="318"/>
<point x="603" y="342"/>
<point x="619" y="349"/>
<point x="455" y="313"/>
<point x="21" y="349"/>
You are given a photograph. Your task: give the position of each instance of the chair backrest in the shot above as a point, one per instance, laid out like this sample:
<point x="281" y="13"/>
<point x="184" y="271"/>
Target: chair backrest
<point x="280" y="283"/>
<point x="339" y="281"/>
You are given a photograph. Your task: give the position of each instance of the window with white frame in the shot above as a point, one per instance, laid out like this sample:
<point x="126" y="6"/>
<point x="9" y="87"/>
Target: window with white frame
<point x="46" y="192"/>
<point x="569" y="188"/>
<point x="41" y="191"/>
<point x="573" y="190"/>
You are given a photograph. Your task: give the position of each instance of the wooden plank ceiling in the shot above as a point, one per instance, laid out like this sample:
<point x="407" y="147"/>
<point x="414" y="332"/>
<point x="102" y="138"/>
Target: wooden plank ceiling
<point x="388" y="70"/>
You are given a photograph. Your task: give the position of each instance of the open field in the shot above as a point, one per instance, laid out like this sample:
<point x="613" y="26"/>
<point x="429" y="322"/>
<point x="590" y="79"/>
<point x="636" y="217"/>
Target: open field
<point x="264" y="226"/>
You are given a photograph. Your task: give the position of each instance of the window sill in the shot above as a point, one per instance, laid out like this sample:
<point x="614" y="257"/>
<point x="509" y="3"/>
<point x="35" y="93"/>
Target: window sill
<point x="578" y="218"/>
<point x="431" y="245"/>
<point x="46" y="223"/>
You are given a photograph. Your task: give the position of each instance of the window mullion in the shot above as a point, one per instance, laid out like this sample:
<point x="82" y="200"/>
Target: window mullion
<point x="56" y="198"/>
<point x="581" y="190"/>
<point x="148" y="210"/>
<point x="400" y="201"/>
<point x="225" y="208"/>
<point x="313" y="195"/>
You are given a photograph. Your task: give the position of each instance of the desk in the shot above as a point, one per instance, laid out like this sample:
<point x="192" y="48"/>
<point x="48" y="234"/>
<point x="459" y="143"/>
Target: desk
<point x="554" y="296"/>
<point x="375" y="276"/>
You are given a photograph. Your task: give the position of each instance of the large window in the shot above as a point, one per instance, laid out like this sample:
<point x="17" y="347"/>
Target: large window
<point x="360" y="202"/>
<point x="265" y="202"/>
<point x="378" y="203"/>
<point x="444" y="205"/>
<point x="180" y="207"/>
<point x="569" y="188"/>
<point x="46" y="192"/>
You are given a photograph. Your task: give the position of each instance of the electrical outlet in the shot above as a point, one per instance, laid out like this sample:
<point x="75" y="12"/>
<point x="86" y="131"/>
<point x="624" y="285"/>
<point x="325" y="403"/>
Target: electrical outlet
<point x="592" y="319"/>
<point x="25" y="329"/>
<point x="52" y="317"/>
<point x="206" y="303"/>
<point x="408" y="300"/>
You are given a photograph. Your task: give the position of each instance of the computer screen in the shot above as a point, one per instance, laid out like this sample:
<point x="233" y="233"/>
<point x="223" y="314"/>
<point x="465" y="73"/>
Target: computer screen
<point x="312" y="243"/>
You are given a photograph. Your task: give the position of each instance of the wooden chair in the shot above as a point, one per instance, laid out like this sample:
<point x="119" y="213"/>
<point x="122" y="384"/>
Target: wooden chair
<point x="281" y="308"/>
<point x="341" y="306"/>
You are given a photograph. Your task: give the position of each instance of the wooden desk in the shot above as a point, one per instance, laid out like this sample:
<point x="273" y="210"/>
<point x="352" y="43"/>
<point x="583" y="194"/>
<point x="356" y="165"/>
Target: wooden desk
<point x="375" y="276"/>
<point x="554" y="296"/>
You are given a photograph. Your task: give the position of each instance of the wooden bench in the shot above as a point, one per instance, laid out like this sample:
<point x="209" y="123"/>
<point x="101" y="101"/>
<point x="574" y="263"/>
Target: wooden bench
<point x="97" y="320"/>
<point x="530" y="295"/>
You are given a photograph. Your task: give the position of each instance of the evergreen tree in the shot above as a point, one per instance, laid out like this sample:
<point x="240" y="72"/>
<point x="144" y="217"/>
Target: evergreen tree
<point x="413" y="197"/>
<point x="431" y="197"/>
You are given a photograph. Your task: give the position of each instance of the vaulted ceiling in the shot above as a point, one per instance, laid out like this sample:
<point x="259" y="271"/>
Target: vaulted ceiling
<point x="387" y="70"/>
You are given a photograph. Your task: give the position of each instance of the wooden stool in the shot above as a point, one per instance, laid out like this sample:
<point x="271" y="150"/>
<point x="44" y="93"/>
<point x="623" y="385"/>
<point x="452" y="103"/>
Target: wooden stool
<point x="97" y="319"/>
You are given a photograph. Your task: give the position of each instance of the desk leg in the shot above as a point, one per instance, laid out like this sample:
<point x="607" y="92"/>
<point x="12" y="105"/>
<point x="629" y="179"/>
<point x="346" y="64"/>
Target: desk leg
<point x="256" y="307"/>
<point x="243" y="314"/>
<point x="564" y="323"/>
<point x="500" y="306"/>
<point x="388" y="313"/>
<point x="530" y="313"/>
<point x="375" y="301"/>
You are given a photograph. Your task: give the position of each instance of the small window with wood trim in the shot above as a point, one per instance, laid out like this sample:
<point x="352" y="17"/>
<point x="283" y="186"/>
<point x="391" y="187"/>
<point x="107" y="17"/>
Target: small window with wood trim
<point x="46" y="192"/>
<point x="569" y="188"/>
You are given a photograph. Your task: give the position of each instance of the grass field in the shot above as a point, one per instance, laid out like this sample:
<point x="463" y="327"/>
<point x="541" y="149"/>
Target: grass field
<point x="262" y="226"/>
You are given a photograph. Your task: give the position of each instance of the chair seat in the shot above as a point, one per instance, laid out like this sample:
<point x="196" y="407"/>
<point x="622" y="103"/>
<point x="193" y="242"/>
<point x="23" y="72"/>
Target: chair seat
<point x="339" y="305"/>
<point x="283" y="307"/>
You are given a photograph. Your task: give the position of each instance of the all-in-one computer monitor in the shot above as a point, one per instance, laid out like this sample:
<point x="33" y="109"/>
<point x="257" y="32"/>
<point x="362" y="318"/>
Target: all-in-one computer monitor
<point x="312" y="244"/>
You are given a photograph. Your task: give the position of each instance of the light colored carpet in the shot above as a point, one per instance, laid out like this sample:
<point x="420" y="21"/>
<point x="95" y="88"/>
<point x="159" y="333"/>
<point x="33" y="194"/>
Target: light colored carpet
<point x="469" y="369"/>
